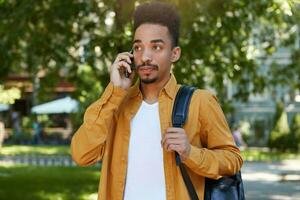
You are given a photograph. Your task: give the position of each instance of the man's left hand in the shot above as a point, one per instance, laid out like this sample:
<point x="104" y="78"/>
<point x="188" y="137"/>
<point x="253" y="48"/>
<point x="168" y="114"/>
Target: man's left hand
<point x="176" y="139"/>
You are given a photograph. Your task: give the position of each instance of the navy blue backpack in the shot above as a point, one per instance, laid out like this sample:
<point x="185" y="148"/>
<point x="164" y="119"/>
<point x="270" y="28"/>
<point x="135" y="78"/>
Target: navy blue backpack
<point x="225" y="188"/>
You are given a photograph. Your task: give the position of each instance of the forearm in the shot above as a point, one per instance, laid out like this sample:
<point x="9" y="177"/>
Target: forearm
<point x="88" y="143"/>
<point x="213" y="163"/>
<point x="217" y="155"/>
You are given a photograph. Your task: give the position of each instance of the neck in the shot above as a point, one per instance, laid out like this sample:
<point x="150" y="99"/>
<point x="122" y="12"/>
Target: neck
<point x="151" y="91"/>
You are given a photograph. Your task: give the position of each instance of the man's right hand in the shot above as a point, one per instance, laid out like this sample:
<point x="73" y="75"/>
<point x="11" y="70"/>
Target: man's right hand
<point x="117" y="71"/>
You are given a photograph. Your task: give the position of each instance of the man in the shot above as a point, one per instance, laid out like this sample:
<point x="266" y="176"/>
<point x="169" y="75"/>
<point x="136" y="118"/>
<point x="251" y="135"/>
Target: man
<point x="129" y="128"/>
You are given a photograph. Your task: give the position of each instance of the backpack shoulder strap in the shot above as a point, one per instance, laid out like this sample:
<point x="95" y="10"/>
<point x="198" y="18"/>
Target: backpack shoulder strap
<point x="181" y="105"/>
<point x="179" y="116"/>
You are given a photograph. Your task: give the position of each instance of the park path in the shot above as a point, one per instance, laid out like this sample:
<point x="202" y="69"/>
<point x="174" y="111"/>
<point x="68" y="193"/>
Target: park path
<point x="36" y="160"/>
<point x="272" y="181"/>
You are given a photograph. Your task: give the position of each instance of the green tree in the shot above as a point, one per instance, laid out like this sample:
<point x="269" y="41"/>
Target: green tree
<point x="280" y="136"/>
<point x="295" y="131"/>
<point x="8" y="96"/>
<point x="220" y="40"/>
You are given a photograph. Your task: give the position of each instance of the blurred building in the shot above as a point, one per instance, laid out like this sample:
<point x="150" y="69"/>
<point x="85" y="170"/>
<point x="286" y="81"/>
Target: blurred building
<point x="260" y="109"/>
<point x="19" y="113"/>
<point x="27" y="86"/>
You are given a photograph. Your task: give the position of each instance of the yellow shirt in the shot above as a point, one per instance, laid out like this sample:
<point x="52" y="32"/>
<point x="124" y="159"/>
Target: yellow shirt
<point x="104" y="135"/>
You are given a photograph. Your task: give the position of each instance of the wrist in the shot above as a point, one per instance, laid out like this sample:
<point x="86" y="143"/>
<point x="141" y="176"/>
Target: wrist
<point x="186" y="154"/>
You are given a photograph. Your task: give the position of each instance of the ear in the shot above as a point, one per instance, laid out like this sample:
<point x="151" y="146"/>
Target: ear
<point x="176" y="52"/>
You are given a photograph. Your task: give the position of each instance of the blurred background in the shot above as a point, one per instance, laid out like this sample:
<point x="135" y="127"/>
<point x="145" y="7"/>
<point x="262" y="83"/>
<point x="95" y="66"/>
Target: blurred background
<point x="54" y="59"/>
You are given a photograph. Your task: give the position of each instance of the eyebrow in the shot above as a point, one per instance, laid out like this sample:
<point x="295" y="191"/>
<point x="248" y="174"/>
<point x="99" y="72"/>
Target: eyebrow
<point x="152" y="41"/>
<point x="157" y="41"/>
<point x="136" y="41"/>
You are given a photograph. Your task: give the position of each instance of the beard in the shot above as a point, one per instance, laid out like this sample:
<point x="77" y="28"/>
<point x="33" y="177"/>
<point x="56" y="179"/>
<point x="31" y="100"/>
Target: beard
<point x="149" y="80"/>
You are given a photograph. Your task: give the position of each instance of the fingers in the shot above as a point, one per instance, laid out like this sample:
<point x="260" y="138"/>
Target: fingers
<point x="173" y="132"/>
<point x="172" y="144"/>
<point x="132" y="74"/>
<point x="174" y="147"/>
<point x="175" y="136"/>
<point x="125" y="65"/>
<point x="170" y="136"/>
<point x="176" y="139"/>
<point x="121" y="74"/>
<point x="124" y="56"/>
<point x="122" y="63"/>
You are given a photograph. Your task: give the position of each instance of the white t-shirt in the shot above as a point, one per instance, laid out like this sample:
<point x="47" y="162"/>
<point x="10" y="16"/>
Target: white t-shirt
<point x="145" y="178"/>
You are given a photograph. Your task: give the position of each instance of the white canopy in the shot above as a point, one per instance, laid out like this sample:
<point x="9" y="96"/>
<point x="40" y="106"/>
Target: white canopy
<point x="4" y="107"/>
<point x="64" y="105"/>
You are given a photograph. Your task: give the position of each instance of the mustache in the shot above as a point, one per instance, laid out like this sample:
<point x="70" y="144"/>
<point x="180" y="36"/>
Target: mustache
<point x="147" y="64"/>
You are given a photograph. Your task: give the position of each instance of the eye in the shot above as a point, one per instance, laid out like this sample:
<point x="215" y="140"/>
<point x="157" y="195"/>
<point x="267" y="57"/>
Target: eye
<point x="156" y="47"/>
<point x="137" y="48"/>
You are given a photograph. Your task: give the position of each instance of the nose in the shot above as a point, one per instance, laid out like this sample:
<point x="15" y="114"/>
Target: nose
<point x="146" y="56"/>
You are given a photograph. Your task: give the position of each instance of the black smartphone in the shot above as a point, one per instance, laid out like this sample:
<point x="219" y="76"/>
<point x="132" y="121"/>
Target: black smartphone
<point x="131" y="65"/>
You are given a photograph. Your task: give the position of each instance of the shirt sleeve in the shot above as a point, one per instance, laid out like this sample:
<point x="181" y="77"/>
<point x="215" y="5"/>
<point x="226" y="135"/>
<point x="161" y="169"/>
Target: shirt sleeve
<point x="88" y="143"/>
<point x="219" y="155"/>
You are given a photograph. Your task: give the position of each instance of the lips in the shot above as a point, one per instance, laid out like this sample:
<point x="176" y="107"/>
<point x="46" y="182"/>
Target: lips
<point x="147" y="67"/>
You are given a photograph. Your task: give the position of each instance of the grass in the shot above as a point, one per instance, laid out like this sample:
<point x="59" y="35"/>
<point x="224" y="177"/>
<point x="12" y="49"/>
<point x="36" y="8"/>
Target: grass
<point x="264" y="155"/>
<point x="249" y="154"/>
<point x="41" y="150"/>
<point x="49" y="183"/>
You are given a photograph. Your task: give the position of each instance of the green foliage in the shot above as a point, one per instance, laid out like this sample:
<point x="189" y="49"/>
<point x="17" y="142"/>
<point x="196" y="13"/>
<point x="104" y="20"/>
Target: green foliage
<point x="26" y="122"/>
<point x="24" y="137"/>
<point x="286" y="75"/>
<point x="280" y="137"/>
<point x="264" y="155"/>
<point x="279" y="110"/>
<point x="45" y="150"/>
<point x="259" y="132"/>
<point x="8" y="96"/>
<point x="295" y="131"/>
<point x="282" y="123"/>
<point x="220" y="40"/>
<point x="88" y="90"/>
<point x="245" y="128"/>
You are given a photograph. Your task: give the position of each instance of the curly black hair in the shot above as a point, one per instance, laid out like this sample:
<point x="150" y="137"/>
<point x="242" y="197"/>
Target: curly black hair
<point x="164" y="14"/>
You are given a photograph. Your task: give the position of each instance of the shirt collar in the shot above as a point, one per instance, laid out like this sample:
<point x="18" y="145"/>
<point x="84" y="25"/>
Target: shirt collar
<point x="135" y="89"/>
<point x="169" y="88"/>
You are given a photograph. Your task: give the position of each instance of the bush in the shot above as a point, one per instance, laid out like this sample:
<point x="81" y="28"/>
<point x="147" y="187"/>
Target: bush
<point x="295" y="132"/>
<point x="259" y="130"/>
<point x="280" y="137"/>
<point x="26" y="122"/>
<point x="25" y="137"/>
<point x="245" y="130"/>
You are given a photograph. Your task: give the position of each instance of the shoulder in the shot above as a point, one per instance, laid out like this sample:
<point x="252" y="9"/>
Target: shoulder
<point x="204" y="95"/>
<point x="206" y="101"/>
